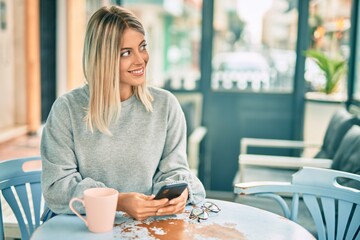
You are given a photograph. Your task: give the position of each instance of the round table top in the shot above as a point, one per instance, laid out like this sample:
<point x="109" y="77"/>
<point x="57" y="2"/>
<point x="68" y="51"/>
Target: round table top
<point x="234" y="221"/>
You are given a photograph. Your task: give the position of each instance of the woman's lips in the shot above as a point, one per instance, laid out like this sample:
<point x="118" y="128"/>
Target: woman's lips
<point x="137" y="72"/>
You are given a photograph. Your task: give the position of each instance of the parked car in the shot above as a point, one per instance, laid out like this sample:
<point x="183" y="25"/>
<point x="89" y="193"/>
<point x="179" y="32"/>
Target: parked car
<point x="241" y="70"/>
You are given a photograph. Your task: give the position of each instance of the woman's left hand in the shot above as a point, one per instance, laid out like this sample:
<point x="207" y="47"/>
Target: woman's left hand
<point x="175" y="206"/>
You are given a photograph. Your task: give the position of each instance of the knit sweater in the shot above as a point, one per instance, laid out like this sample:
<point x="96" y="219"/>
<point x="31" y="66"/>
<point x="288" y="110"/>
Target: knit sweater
<point x="146" y="149"/>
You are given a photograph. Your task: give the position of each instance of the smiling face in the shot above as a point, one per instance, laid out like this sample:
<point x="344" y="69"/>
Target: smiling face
<point x="133" y="61"/>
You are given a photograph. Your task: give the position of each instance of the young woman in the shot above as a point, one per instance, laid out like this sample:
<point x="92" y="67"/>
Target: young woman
<point x="115" y="131"/>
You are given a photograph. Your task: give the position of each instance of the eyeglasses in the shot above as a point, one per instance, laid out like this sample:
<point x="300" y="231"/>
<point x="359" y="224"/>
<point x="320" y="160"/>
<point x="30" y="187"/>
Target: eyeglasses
<point x="203" y="212"/>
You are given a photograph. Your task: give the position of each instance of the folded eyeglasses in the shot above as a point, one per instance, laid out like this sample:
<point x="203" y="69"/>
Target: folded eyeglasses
<point x="203" y="212"/>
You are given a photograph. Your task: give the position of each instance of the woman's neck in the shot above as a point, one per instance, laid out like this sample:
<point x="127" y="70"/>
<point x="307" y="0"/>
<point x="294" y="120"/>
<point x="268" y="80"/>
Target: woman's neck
<point x="125" y="95"/>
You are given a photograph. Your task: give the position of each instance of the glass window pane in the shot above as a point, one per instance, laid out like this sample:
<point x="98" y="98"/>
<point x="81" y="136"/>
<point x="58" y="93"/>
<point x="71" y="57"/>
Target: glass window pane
<point x="173" y="29"/>
<point x="254" y="45"/>
<point x="329" y="23"/>
<point x="357" y="76"/>
<point x="356" y="94"/>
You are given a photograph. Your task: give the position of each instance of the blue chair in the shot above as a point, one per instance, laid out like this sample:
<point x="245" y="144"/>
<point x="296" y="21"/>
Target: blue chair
<point x="334" y="208"/>
<point x="20" y="185"/>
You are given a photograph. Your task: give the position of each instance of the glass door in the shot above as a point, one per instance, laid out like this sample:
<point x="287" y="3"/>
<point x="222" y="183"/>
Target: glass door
<point x="173" y="31"/>
<point x="252" y="82"/>
<point x="254" y="46"/>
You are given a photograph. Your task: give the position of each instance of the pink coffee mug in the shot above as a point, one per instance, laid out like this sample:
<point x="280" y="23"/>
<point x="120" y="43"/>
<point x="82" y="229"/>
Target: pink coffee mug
<point x="100" y="208"/>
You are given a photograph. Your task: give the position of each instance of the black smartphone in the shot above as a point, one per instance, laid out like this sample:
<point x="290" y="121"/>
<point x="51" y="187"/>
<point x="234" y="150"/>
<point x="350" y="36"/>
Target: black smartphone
<point x="171" y="191"/>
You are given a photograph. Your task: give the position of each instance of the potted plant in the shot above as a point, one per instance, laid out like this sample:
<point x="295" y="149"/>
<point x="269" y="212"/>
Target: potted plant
<point x="321" y="105"/>
<point x="333" y="69"/>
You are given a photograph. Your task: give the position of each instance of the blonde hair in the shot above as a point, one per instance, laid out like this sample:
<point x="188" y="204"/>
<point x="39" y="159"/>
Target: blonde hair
<point x="101" y="66"/>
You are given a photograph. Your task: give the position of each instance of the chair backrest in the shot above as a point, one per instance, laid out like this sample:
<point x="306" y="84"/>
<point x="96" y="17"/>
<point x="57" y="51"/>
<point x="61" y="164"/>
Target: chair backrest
<point x="191" y="104"/>
<point x="20" y="185"/>
<point x="339" y="124"/>
<point x="353" y="109"/>
<point x="347" y="157"/>
<point x="334" y="208"/>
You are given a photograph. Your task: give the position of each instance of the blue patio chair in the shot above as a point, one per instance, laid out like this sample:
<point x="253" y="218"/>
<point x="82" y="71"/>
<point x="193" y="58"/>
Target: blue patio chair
<point x="20" y="186"/>
<point x="334" y="208"/>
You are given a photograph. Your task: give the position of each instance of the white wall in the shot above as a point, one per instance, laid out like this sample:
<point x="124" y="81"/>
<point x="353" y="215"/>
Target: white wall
<point x="317" y="118"/>
<point x="19" y="62"/>
<point x="13" y="72"/>
<point x="7" y="100"/>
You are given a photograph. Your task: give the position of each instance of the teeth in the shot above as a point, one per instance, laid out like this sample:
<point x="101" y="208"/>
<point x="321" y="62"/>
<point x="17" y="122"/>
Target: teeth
<point x="138" y="71"/>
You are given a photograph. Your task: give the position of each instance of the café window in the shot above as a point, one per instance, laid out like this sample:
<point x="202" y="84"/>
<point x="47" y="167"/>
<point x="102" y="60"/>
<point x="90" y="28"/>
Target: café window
<point x="357" y="80"/>
<point x="254" y="45"/>
<point x="356" y="95"/>
<point x="173" y="32"/>
<point x="329" y="24"/>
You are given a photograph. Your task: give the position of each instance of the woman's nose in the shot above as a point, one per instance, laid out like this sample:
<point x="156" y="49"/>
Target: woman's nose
<point x="138" y="58"/>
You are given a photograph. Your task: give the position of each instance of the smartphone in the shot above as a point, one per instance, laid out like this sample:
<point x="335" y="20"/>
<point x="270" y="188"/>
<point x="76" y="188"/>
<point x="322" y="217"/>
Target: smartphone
<point x="171" y="191"/>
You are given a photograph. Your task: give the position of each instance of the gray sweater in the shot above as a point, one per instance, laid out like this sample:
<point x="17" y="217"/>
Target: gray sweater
<point x="147" y="150"/>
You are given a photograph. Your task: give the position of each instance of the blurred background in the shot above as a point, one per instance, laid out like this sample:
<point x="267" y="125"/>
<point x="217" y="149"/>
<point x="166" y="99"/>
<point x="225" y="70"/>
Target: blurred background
<point x="246" y="65"/>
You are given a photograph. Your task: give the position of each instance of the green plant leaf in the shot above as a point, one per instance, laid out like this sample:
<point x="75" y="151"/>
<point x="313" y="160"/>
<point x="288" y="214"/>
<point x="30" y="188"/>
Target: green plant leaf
<point x="333" y="69"/>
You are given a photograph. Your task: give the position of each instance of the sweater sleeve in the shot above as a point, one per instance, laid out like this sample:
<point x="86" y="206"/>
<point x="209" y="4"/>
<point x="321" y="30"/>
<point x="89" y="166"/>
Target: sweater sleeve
<point x="61" y="180"/>
<point x="173" y="166"/>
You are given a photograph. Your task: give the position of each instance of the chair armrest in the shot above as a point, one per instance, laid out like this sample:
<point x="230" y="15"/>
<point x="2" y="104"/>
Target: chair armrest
<point x="283" y="161"/>
<point x="248" y="188"/>
<point x="267" y="189"/>
<point x="197" y="135"/>
<point x="194" y="141"/>
<point x="274" y="143"/>
<point x="279" y="162"/>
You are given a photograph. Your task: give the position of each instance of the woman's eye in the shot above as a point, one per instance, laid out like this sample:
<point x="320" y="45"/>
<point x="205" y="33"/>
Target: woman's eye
<point x="143" y="47"/>
<point x="125" y="54"/>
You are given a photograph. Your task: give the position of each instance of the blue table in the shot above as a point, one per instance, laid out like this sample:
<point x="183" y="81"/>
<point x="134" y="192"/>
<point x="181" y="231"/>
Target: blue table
<point x="235" y="221"/>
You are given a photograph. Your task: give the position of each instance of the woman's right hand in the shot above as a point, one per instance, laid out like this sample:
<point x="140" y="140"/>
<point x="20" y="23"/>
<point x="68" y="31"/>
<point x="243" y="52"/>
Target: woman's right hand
<point x="138" y="205"/>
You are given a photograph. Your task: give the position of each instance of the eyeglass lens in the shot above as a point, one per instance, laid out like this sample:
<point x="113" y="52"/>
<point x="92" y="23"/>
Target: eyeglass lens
<point x="199" y="213"/>
<point x="211" y="207"/>
<point x="202" y="212"/>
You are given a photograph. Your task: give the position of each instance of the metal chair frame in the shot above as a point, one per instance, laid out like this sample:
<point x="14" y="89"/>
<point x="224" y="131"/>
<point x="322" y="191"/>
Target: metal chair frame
<point x="334" y="208"/>
<point x="20" y="185"/>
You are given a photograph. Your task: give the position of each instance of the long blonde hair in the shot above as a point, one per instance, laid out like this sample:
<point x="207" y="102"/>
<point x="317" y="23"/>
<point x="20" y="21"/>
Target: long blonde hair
<point x="101" y="66"/>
